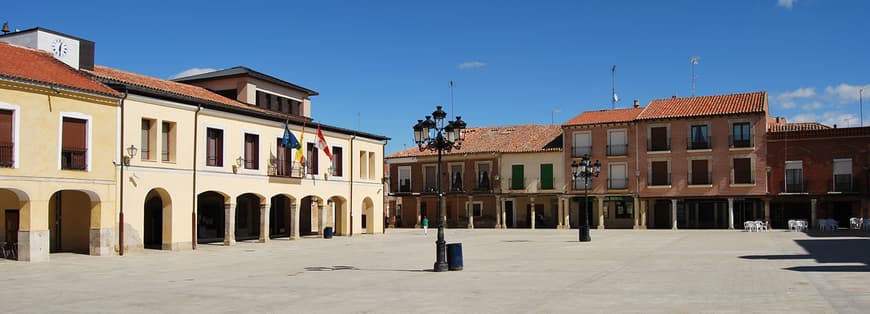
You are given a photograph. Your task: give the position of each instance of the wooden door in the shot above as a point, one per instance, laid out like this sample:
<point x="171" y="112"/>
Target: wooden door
<point x="12" y="225"/>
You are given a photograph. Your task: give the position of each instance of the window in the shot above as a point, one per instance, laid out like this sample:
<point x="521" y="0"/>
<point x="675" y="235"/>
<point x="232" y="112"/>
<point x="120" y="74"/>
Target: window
<point x="337" y="161"/>
<point x="252" y="151"/>
<point x="699" y="172"/>
<point x="660" y="173"/>
<point x="546" y="176"/>
<point x="456" y="178"/>
<point x="363" y="164"/>
<point x="214" y="147"/>
<point x="430" y="179"/>
<point x="283" y="160"/>
<point x="147" y="140"/>
<point x="517" y="180"/>
<point x="275" y="103"/>
<point x="580" y="183"/>
<point x="743" y="171"/>
<point x="404" y="179"/>
<point x="843" y="175"/>
<point x="582" y="144"/>
<point x="699" y="137"/>
<point x="311" y="159"/>
<point x="167" y="139"/>
<point x="617" y="143"/>
<point x="794" y="178"/>
<point x="74" y="146"/>
<point x="617" y="176"/>
<point x="741" y="135"/>
<point x="658" y="139"/>
<point x="483" y="176"/>
<point x="7" y="146"/>
<point x="372" y="167"/>
<point x="623" y="209"/>
<point x="476" y="208"/>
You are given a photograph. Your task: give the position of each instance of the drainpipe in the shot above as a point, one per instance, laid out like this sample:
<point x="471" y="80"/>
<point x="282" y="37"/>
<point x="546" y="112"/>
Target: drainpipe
<point x="383" y="209"/>
<point x="350" y="202"/>
<point x="123" y="182"/>
<point x="193" y="188"/>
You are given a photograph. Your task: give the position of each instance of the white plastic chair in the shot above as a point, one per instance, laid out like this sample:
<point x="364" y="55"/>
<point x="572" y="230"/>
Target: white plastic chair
<point x="854" y="223"/>
<point x="792" y="225"/>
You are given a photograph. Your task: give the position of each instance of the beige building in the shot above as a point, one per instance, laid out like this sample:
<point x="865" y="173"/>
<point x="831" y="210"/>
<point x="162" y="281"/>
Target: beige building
<point x="176" y="163"/>
<point x="58" y="144"/>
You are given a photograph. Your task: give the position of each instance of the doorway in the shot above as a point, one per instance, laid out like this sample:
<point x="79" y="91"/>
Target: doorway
<point x="153" y="229"/>
<point x="509" y="213"/>
<point x="11" y="226"/>
<point x="842" y="213"/>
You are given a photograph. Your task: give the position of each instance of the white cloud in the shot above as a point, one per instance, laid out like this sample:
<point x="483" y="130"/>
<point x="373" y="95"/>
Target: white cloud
<point x="845" y="93"/>
<point x="191" y="72"/>
<point x="471" y="65"/>
<point x="798" y="93"/>
<point x="829" y="118"/>
<point x="788" y="4"/>
<point x="812" y="106"/>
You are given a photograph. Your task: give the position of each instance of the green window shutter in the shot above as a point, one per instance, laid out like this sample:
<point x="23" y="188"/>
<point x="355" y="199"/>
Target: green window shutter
<point x="546" y="176"/>
<point x="517" y="177"/>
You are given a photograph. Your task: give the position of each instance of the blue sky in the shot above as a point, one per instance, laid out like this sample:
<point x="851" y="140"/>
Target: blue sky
<point x="380" y="65"/>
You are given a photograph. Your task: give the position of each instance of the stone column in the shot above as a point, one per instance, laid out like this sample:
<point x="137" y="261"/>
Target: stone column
<point x="418" y="225"/>
<point x="532" y="212"/>
<point x="601" y="210"/>
<point x="444" y="210"/>
<point x="503" y="216"/>
<point x="498" y="208"/>
<point x="322" y="217"/>
<point x="674" y="213"/>
<point x="635" y="212"/>
<point x="813" y="206"/>
<point x="264" y="222"/>
<point x="730" y="214"/>
<point x="34" y="239"/>
<point x="229" y="224"/>
<point x="567" y="213"/>
<point x="643" y="210"/>
<point x="560" y="217"/>
<point x="294" y="221"/>
<point x="469" y="207"/>
<point x="767" y="211"/>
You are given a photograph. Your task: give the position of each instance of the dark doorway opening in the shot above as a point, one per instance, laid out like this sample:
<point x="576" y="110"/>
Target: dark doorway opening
<point x="247" y="217"/>
<point x="279" y="217"/>
<point x="153" y="233"/>
<point x="842" y="213"/>
<point x="509" y="213"/>
<point x="210" y="217"/>
<point x="662" y="214"/>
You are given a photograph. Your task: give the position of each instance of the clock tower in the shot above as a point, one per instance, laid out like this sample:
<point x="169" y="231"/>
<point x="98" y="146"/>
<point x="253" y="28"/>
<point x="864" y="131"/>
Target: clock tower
<point x="75" y="52"/>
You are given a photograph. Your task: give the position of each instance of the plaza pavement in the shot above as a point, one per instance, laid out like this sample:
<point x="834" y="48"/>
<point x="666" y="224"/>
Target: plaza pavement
<point x="506" y="271"/>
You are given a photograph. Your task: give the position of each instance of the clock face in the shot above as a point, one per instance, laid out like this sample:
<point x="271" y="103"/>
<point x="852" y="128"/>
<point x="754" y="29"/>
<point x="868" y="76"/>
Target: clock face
<point x="59" y="48"/>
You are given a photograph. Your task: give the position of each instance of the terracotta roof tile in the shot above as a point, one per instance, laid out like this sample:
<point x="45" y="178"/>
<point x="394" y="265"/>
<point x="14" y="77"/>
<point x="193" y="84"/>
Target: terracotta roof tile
<point x="705" y="106"/>
<point x="40" y="67"/>
<point x="505" y="139"/>
<point x="799" y="126"/>
<point x="605" y="116"/>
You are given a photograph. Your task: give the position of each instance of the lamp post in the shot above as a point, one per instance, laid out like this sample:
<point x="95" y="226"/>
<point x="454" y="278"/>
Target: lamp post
<point x="434" y="135"/>
<point x="587" y="171"/>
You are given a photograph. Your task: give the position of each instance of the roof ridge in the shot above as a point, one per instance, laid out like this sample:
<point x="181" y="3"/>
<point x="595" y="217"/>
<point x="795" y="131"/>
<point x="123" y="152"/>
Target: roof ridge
<point x="709" y="96"/>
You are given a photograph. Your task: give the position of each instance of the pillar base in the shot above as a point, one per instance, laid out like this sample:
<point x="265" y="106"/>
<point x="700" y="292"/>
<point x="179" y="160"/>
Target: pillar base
<point x="102" y="242"/>
<point x="33" y="245"/>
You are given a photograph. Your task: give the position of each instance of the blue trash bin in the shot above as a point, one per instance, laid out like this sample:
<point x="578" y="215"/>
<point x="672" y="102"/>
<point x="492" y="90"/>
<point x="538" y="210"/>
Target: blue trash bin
<point x="327" y="233"/>
<point x="454" y="256"/>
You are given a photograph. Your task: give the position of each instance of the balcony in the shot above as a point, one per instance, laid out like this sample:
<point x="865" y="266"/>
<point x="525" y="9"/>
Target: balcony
<point x="842" y="183"/>
<point x="698" y="142"/>
<point x="701" y="179"/>
<point x="617" y="184"/>
<point x="483" y="184"/>
<point x="658" y="145"/>
<point x="660" y="180"/>
<point x="795" y="187"/>
<point x="73" y="158"/>
<point x="579" y="151"/>
<point x="6" y="155"/>
<point x="404" y="186"/>
<point x="617" y="150"/>
<point x="740" y="142"/>
<point x="285" y="168"/>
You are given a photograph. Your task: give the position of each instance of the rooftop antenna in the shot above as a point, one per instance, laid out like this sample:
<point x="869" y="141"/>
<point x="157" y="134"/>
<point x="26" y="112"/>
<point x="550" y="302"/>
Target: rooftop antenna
<point x="6" y="28"/>
<point x="695" y="60"/>
<point x="861" y="104"/>
<point x="452" y="111"/>
<point x="614" y="97"/>
<point x="358" y="120"/>
<point x="553" y="116"/>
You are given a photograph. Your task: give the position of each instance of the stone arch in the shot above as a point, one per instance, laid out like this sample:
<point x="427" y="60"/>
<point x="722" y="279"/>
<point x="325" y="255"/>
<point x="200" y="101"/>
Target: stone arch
<point x="14" y="204"/>
<point x="310" y="221"/>
<point x="210" y="216"/>
<point x="339" y="215"/>
<point x="71" y="216"/>
<point x="157" y="220"/>
<point x="368" y="216"/>
<point x="247" y="216"/>
<point x="281" y="218"/>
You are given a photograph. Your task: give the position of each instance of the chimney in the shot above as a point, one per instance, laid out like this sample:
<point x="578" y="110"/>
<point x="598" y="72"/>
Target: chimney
<point x="673" y="96"/>
<point x="636" y="103"/>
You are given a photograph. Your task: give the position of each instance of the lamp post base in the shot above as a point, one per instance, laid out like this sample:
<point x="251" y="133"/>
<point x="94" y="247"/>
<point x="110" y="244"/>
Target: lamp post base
<point x="440" y="256"/>
<point x="584" y="234"/>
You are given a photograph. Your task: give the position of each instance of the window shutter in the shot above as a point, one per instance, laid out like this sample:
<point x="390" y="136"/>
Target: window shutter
<point x="547" y="176"/>
<point x="5" y="126"/>
<point x="75" y="133"/>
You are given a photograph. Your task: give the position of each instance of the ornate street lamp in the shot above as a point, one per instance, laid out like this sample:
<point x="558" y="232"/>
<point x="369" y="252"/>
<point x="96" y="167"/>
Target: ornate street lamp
<point x="586" y="171"/>
<point x="434" y="135"/>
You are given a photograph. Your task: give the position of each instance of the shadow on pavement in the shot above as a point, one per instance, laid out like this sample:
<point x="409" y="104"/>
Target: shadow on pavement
<point x="828" y="250"/>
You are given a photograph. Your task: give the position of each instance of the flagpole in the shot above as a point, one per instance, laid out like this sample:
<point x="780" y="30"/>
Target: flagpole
<point x="613" y="87"/>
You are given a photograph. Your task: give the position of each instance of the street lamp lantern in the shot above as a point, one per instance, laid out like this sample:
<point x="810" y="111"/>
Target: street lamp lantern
<point x="587" y="171"/>
<point x="434" y="135"/>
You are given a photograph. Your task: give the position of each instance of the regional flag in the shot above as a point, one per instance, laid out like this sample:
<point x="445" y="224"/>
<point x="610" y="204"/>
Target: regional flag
<point x="300" y="156"/>
<point x="321" y="143"/>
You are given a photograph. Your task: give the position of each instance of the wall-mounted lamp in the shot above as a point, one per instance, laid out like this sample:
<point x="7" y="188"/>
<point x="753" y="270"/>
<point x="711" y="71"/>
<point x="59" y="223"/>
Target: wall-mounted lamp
<point x="238" y="164"/>
<point x="131" y="152"/>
